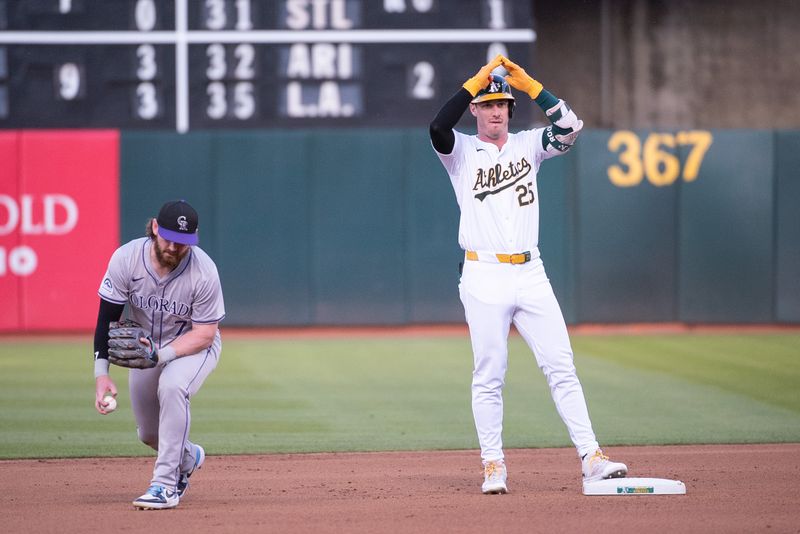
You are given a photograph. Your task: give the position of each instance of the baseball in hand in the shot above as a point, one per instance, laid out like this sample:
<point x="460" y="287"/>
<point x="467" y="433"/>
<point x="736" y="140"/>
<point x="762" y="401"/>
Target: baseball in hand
<point x="111" y="403"/>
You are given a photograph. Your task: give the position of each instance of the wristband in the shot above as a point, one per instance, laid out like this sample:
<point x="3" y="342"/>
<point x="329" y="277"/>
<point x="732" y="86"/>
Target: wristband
<point x="546" y="100"/>
<point x="166" y="355"/>
<point x="100" y="367"/>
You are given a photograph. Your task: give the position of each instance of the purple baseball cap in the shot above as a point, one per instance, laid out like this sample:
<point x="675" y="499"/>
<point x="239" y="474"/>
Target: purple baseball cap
<point x="177" y="222"/>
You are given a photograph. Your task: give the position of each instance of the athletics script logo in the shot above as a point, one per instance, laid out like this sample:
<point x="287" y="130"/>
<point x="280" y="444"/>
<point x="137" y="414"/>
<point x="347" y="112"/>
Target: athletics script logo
<point x="495" y="179"/>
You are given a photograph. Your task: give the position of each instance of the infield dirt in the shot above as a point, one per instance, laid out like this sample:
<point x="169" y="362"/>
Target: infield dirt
<point x="730" y="488"/>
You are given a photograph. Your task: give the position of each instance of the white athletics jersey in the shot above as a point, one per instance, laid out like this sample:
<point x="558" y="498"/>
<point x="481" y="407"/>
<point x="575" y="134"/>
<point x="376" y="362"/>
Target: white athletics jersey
<point x="166" y="307"/>
<point x="497" y="192"/>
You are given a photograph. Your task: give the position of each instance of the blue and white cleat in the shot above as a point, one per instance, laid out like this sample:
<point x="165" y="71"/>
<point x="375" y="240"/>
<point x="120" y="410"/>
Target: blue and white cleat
<point x="183" y="481"/>
<point x="157" y="498"/>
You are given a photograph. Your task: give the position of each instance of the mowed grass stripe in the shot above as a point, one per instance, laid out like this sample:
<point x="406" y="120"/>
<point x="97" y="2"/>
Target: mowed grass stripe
<point x="765" y="367"/>
<point x="311" y="395"/>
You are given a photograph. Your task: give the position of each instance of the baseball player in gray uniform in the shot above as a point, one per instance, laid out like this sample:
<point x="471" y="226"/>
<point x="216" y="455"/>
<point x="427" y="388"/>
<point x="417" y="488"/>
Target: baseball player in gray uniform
<point x="503" y="280"/>
<point x="170" y="287"/>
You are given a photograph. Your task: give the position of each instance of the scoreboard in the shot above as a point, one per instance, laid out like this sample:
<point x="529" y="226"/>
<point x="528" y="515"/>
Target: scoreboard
<point x="209" y="64"/>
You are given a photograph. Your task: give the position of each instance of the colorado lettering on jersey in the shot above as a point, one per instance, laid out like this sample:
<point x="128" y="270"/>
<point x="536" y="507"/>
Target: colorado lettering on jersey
<point x="495" y="179"/>
<point x="159" y="304"/>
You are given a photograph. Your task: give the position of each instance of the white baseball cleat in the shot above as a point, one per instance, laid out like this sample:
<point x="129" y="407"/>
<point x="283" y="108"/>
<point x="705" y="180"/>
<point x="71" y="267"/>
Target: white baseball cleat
<point x="597" y="466"/>
<point x="157" y="498"/>
<point x="494" y="477"/>
<point x="183" y="480"/>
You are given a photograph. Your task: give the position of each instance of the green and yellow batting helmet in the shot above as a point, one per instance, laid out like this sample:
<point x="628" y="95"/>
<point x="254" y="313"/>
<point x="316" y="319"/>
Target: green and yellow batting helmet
<point x="498" y="89"/>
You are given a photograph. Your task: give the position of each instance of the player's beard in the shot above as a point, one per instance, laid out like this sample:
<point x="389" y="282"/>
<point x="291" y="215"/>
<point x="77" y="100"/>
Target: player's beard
<point x="166" y="258"/>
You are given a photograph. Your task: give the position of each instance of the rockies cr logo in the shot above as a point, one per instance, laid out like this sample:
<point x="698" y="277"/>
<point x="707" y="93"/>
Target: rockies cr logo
<point x="182" y="224"/>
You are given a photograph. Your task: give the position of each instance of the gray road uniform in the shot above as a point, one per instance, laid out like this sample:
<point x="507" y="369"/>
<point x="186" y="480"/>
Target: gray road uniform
<point x="166" y="308"/>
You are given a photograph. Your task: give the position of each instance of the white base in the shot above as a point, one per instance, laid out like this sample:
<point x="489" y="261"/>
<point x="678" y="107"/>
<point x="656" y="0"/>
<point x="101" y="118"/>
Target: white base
<point x="634" y="486"/>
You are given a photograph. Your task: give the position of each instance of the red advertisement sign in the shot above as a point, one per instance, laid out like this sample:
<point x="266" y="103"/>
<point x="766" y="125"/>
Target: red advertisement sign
<point x="59" y="224"/>
<point x="9" y="240"/>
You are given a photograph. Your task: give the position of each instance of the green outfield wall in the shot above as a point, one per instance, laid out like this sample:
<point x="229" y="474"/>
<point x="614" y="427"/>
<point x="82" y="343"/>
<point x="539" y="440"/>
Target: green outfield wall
<point x="340" y="227"/>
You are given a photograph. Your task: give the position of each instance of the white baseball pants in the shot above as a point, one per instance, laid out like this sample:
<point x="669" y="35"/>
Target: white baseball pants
<point x="495" y="295"/>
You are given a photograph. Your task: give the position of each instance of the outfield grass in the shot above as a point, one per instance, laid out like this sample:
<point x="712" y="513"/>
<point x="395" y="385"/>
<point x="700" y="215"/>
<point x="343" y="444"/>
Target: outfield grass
<point x="309" y="395"/>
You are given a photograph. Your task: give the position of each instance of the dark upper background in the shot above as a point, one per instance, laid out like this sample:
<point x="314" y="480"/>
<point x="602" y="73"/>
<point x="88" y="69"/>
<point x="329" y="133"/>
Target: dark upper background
<point x="659" y="64"/>
<point x="672" y="63"/>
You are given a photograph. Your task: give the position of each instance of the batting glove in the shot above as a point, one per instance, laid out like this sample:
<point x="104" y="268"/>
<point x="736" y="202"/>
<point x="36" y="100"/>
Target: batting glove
<point x="519" y="79"/>
<point x="481" y="79"/>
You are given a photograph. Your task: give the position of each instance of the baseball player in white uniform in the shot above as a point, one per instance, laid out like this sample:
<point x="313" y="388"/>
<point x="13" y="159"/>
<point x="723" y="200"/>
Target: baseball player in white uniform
<point x="503" y="280"/>
<point x="172" y="289"/>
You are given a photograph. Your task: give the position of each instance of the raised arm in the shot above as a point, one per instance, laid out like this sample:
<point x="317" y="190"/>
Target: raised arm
<point x="441" y="129"/>
<point x="564" y="127"/>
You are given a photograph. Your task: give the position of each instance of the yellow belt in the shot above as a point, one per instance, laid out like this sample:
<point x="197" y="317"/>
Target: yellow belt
<point x="522" y="257"/>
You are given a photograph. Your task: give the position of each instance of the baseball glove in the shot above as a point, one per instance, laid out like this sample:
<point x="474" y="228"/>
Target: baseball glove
<point x="125" y="347"/>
